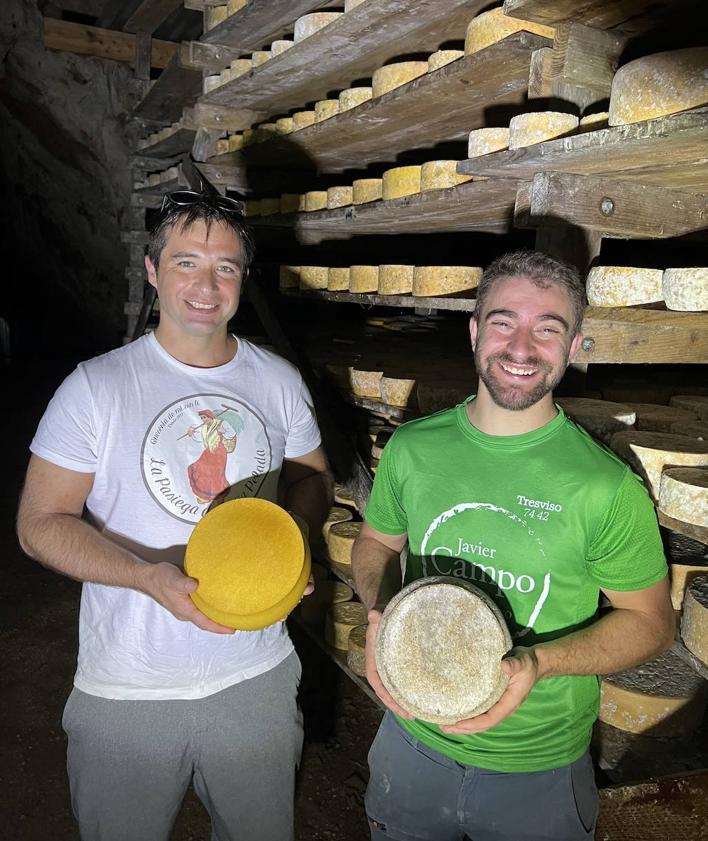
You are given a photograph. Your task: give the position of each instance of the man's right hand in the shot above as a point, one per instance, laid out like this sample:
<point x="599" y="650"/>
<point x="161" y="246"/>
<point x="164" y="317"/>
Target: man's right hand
<point x="372" y="675"/>
<point x="170" y="587"/>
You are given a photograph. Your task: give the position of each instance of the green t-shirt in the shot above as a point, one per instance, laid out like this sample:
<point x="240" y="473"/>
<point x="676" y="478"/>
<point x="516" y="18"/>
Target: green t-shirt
<point x="541" y="522"/>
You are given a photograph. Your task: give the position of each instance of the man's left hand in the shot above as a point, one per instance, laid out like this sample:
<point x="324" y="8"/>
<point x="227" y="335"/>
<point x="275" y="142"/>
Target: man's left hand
<point x="522" y="667"/>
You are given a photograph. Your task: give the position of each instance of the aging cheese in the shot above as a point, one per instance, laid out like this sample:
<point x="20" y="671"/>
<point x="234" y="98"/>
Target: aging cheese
<point x="437" y="281"/>
<point x="239" y="66"/>
<point x="289" y="277"/>
<point x="651" y="452"/>
<point x="339" y="197"/>
<point x="326" y="108"/>
<point x="248" y="135"/>
<point x="352" y="97"/>
<point x="437" y="175"/>
<point x="315" y="200"/>
<point x="309" y="24"/>
<point x="235" y="142"/>
<point x="395" y="280"/>
<point x="290" y="202"/>
<point x="259" y="57"/>
<point x="314" y="607"/>
<point x="280" y="46"/>
<point x="211" y="82"/>
<point x="233" y="6"/>
<point x="442" y="57"/>
<point x="623" y="286"/>
<point x="342" y="618"/>
<point x="313" y="277"/>
<point x="342" y="494"/>
<point x="593" y="122"/>
<point x="392" y="76"/>
<point x="401" y="181"/>
<point x="364" y="279"/>
<point x="697" y="404"/>
<point x="691" y="430"/>
<point x="303" y="119"/>
<point x="694" y="624"/>
<point x="221" y="147"/>
<point x="365" y="383"/>
<point x="662" y="698"/>
<point x="340" y="540"/>
<point x="270" y="206"/>
<point x="686" y="289"/>
<point x="365" y="190"/>
<point x="214" y="16"/>
<point x="659" y="84"/>
<point x="356" y="650"/>
<point x="600" y="417"/>
<point x="683" y="494"/>
<point x="652" y="417"/>
<point x="338" y="279"/>
<point x="337" y="514"/>
<point x="681" y="575"/>
<point x="494" y="25"/>
<point x="284" y="125"/>
<point x="252" y="207"/>
<point x="484" y="141"/>
<point x="397" y="391"/>
<point x="351" y="4"/>
<point x="535" y="127"/>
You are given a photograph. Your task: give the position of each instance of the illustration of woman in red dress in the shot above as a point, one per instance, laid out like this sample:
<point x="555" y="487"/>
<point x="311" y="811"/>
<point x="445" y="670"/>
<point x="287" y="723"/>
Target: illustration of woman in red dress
<point x="207" y="475"/>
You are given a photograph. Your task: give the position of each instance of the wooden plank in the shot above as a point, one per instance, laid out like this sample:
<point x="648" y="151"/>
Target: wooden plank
<point x="350" y="48"/>
<point x="143" y="50"/>
<point x="613" y="207"/>
<point x="254" y="181"/>
<point x="150" y="14"/>
<point x="668" y="151"/>
<point x="210" y="58"/>
<point x="699" y="533"/>
<point x="409" y="301"/>
<point x="635" y="336"/>
<point x="179" y="142"/>
<point x="177" y="87"/>
<point x="602" y="14"/>
<point x="382" y="127"/>
<point x="101" y="43"/>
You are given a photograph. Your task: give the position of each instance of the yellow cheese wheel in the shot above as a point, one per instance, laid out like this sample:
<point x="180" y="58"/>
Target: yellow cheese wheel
<point x="337" y="514"/>
<point x="364" y="279"/>
<point x="340" y="540"/>
<point x="270" y="206"/>
<point x="681" y="575"/>
<point x="493" y="26"/>
<point x="235" y="142"/>
<point x="442" y="57"/>
<point x="326" y="108"/>
<point x="365" y="190"/>
<point x="339" y="197"/>
<point x="593" y="122"/>
<point x="221" y="147"/>
<point x="686" y="289"/>
<point x="484" y="141"/>
<point x="315" y="200"/>
<point x="356" y="650"/>
<point x="240" y="66"/>
<point x="397" y="391"/>
<point x="284" y="125"/>
<point x="659" y="84"/>
<point x="247" y="135"/>
<point x="290" y="202"/>
<point x="289" y="277"/>
<point x="395" y="280"/>
<point x="352" y="97"/>
<point x="233" y="6"/>
<point x="535" y="127"/>
<point x="280" y="46"/>
<point x="683" y="494"/>
<point x="437" y="175"/>
<point x="342" y="618"/>
<point x="401" y="181"/>
<point x="264" y="131"/>
<point x="445" y="280"/>
<point x="601" y="418"/>
<point x="623" y="286"/>
<point x="694" y="623"/>
<point x="338" y="279"/>
<point x="365" y="383"/>
<point x="259" y="57"/>
<point x="252" y="207"/>
<point x="313" y="277"/>
<point x="307" y="25"/>
<point x="314" y="607"/>
<point x="214" y="16"/>
<point x="697" y="404"/>
<point x="209" y="83"/>
<point x="251" y="562"/>
<point x="303" y="119"/>
<point x="392" y="76"/>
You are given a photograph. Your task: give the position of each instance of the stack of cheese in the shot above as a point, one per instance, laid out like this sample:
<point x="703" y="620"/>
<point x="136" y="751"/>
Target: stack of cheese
<point x="694" y="623"/>
<point x="687" y="559"/>
<point x="601" y="418"/>
<point x="155" y="178"/>
<point x="682" y="289"/>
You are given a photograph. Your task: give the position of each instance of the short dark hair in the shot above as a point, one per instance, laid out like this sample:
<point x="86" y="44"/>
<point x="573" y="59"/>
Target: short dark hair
<point x="202" y="210"/>
<point x="542" y="271"/>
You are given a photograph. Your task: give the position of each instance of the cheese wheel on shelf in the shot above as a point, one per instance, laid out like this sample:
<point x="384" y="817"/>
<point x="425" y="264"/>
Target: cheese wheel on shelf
<point x="314" y="607"/>
<point x="484" y="141"/>
<point x="364" y="279"/>
<point x="663" y="698"/>
<point x="623" y="286"/>
<point x="340" y="540"/>
<point x="395" y="280"/>
<point x="225" y="76"/>
<point x="593" y="122"/>
<point x="351" y="97"/>
<point x="221" y="147"/>
<point x="438" y="281"/>
<point x="401" y="181"/>
<point x="493" y="26"/>
<point x="342" y="618"/>
<point x="686" y="289"/>
<point x="356" y="650"/>
<point x="211" y="82"/>
<point x="697" y="404"/>
<point x="351" y="4"/>
<point x="437" y="175"/>
<point x="214" y="16"/>
<point x="313" y="277"/>
<point x="233" y="6"/>
<point x="365" y="190"/>
<point x="315" y="200"/>
<point x="280" y="46"/>
<point x="290" y="202"/>
<point x="683" y="495"/>
<point x="342" y="494"/>
<point x="284" y="125"/>
<point x="337" y="514"/>
<point x="535" y="127"/>
<point x="270" y="206"/>
<point x="338" y="279"/>
<point x="307" y="25"/>
<point x="365" y="383"/>
<point x="303" y="119"/>
<point x="235" y="142"/>
<point x="442" y="57"/>
<point x="339" y="197"/>
<point x="239" y="66"/>
<point x="326" y="108"/>
<point x="392" y="76"/>
<point x="259" y="57"/>
<point x="659" y="84"/>
<point x="652" y="417"/>
<point x="694" y="623"/>
<point x="600" y="417"/>
<point x="650" y="452"/>
<point x="252" y="207"/>
<point x="691" y="430"/>
<point x="397" y="391"/>
<point x="247" y="135"/>
<point x="681" y="575"/>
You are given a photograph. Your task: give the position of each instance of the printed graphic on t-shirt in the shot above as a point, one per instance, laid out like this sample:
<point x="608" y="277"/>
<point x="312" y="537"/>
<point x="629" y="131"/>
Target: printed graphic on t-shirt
<point x="471" y="540"/>
<point x="200" y="447"/>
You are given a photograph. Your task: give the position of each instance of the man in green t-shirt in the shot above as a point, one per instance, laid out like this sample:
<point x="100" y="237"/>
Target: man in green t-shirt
<point x="507" y="492"/>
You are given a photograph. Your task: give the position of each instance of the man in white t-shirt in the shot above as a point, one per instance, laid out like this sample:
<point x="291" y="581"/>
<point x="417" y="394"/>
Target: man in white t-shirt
<point x="142" y="439"/>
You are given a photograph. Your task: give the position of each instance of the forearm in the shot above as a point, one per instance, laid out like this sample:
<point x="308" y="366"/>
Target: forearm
<point x="377" y="571"/>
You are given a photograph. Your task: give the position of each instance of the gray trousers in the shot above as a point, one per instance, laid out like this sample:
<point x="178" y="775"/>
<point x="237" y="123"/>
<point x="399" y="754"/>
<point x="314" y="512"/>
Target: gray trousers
<point x="418" y="794"/>
<point x="130" y="762"/>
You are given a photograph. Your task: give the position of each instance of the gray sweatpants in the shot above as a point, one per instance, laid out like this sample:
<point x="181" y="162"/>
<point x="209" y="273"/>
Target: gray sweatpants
<point x="418" y="794"/>
<point x="130" y="762"/>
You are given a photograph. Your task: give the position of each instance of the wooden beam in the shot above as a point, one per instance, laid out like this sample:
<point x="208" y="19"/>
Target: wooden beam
<point x="150" y="14"/>
<point x="177" y="87"/>
<point x="210" y="58"/>
<point x="102" y="43"/>
<point x="601" y="14"/>
<point x="143" y="55"/>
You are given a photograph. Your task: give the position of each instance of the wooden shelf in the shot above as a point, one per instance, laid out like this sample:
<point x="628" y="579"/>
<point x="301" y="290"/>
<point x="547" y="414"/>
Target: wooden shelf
<point x="419" y="302"/>
<point x="600" y="14"/>
<point x="699" y="533"/>
<point x="178" y="143"/>
<point x="668" y="151"/>
<point x="177" y="87"/>
<point x="350" y="48"/>
<point x="414" y="116"/>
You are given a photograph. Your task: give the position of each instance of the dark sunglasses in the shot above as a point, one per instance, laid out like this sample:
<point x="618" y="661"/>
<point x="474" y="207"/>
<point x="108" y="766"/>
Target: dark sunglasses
<point x="186" y="198"/>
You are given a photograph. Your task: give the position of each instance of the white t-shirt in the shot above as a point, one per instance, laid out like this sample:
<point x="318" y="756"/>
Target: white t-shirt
<point x="132" y="417"/>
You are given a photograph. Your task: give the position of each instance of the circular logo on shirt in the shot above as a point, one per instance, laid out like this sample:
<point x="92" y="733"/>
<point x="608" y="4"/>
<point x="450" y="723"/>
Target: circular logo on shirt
<point x="201" y="449"/>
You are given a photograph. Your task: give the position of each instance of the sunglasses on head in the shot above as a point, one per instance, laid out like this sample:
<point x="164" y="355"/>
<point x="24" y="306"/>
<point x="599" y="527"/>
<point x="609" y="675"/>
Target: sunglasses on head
<point x="185" y="198"/>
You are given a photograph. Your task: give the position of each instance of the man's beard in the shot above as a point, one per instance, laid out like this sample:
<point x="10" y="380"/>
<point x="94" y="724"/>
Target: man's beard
<point x="513" y="397"/>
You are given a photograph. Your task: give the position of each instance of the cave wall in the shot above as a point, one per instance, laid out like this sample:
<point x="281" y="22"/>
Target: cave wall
<point x="65" y="183"/>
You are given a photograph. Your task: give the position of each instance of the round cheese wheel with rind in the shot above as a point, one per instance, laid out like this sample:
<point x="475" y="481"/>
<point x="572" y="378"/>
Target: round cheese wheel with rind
<point x="593" y="122"/>
<point x="686" y="290"/>
<point x="649" y="453"/>
<point x="336" y="514"/>
<point x="442" y="57"/>
<point x="342" y="618"/>
<point x="240" y="66"/>
<point x="313" y="277"/>
<point x="326" y="108"/>
<point x="340" y="540"/>
<point x="395" y="280"/>
<point x="365" y="190"/>
<point x="484" y="141"/>
<point x="691" y="430"/>
<point x="535" y="127"/>
<point x="233" y="6"/>
<point x="284" y="125"/>
<point x="366" y="383"/>
<point x="663" y="698"/>
<point x="401" y="181"/>
<point x="392" y="76"/>
<point x="438" y="175"/>
<point x="315" y="200"/>
<point x="281" y="45"/>
<point x="338" y="279"/>
<point x="439" y="648"/>
<point x="342" y="494"/>
<point x="438" y="281"/>
<point x="397" y="391"/>
<point x="683" y="495"/>
<point x="251" y="561"/>
<point x="681" y="574"/>
<point x="356" y="650"/>
<point x="364" y="279"/>
<point x="351" y="97"/>
<point x="351" y="4"/>
<point x="339" y="197"/>
<point x="307" y="25"/>
<point x="303" y="119"/>
<point x="290" y="202"/>
<point x="493" y="26"/>
<point x="270" y="206"/>
<point x="259" y="57"/>
<point x="694" y="623"/>
<point x="623" y="286"/>
<point x="653" y="417"/>
<point x="659" y="84"/>
<point x="601" y="418"/>
<point x="695" y="403"/>
<point x="314" y="607"/>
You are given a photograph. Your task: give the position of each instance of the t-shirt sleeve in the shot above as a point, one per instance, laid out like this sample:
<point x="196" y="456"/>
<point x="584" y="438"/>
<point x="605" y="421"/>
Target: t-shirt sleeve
<point x="303" y="432"/>
<point x="626" y="553"/>
<point x="384" y="510"/>
<point x="66" y="435"/>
